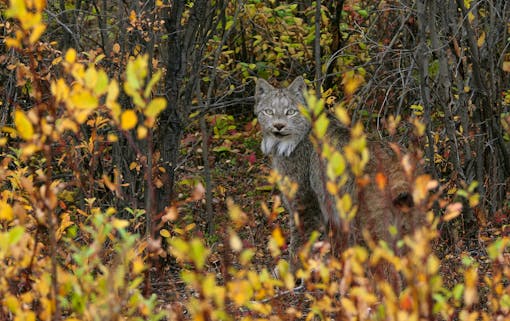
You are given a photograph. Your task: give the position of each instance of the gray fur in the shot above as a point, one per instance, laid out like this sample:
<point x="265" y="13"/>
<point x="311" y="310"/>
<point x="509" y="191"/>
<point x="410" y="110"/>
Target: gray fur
<point x="285" y="137"/>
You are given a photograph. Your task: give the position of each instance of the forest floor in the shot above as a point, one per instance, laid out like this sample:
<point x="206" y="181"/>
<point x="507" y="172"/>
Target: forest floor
<point x="239" y="172"/>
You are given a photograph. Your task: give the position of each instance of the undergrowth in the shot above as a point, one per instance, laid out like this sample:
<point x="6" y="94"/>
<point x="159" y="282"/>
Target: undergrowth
<point x="68" y="251"/>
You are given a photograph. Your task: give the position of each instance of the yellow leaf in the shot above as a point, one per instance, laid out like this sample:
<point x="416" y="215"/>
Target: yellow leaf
<point x="119" y="224"/>
<point x="351" y="82"/>
<point x="332" y="188"/>
<point x="12" y="42"/>
<point x="29" y="316"/>
<point x="506" y="66"/>
<point x="141" y="132"/>
<point x="23" y="125"/>
<point x="11" y="302"/>
<point x="82" y="115"/>
<point x="481" y="39"/>
<point x="132" y="17"/>
<point x="235" y="242"/>
<point x="65" y="223"/>
<point x="60" y="90"/>
<point x="128" y="120"/>
<point x="36" y="33"/>
<point x="164" y="232"/>
<point x="70" y="56"/>
<point x="138" y="265"/>
<point x="155" y="107"/>
<point x="102" y="83"/>
<point x="39" y="5"/>
<point x="422" y="185"/>
<point x="83" y="99"/>
<point x="90" y="77"/>
<point x="16" y="8"/>
<point x="474" y="200"/>
<point x="345" y="203"/>
<point x="417" y="109"/>
<point x="65" y="124"/>
<point x="342" y="115"/>
<point x="237" y="216"/>
<point x="6" y="212"/>
<point x="112" y="138"/>
<point x="190" y="227"/>
<point x="111" y="99"/>
<point x="470" y="281"/>
<point x="277" y="236"/>
<point x="433" y="265"/>
<point x="99" y="58"/>
<point x="29" y="150"/>
<point x="113" y="92"/>
<point x="240" y="291"/>
<point x="133" y="165"/>
<point x="348" y="305"/>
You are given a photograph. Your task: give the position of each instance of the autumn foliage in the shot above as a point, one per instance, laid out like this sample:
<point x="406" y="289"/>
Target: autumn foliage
<point x="133" y="188"/>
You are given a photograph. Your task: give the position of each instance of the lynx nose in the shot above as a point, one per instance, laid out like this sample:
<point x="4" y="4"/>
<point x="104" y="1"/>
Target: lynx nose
<point x="279" y="126"/>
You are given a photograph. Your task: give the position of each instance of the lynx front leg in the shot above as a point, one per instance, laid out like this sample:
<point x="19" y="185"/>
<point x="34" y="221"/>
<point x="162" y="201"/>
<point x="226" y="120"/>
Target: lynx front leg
<point x="305" y="217"/>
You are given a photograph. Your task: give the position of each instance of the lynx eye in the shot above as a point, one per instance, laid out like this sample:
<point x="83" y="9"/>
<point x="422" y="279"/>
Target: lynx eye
<point x="291" y="112"/>
<point x="268" y="112"/>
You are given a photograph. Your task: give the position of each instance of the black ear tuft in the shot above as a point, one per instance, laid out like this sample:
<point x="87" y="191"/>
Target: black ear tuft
<point x="262" y="87"/>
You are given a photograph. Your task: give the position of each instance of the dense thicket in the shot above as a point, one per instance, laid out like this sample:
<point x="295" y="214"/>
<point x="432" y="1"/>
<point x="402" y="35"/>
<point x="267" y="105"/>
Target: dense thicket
<point x="440" y="59"/>
<point x="68" y="151"/>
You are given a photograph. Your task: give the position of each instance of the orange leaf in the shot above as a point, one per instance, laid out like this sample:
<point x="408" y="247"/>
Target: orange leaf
<point x="381" y="180"/>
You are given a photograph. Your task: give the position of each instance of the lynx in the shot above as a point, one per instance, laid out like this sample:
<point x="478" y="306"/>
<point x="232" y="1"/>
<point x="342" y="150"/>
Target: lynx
<point x="285" y="137"/>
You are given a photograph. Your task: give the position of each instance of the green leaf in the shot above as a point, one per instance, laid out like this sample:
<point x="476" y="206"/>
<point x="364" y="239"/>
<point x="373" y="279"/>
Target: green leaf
<point x="495" y="249"/>
<point x="458" y="291"/>
<point x="363" y="13"/>
<point x="336" y="165"/>
<point x="321" y="126"/>
<point x="101" y="86"/>
<point x="134" y="94"/>
<point x="15" y="235"/>
<point x="154" y="80"/>
<point x="179" y="248"/>
<point x="136" y="71"/>
<point x="198" y="253"/>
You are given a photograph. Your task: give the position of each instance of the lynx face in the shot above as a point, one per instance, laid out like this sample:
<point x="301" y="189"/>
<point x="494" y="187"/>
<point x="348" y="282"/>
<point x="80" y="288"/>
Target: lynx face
<point x="283" y="126"/>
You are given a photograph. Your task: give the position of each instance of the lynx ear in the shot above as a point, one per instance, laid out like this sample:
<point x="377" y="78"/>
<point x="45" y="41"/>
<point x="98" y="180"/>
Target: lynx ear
<point x="298" y="86"/>
<point x="262" y="88"/>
